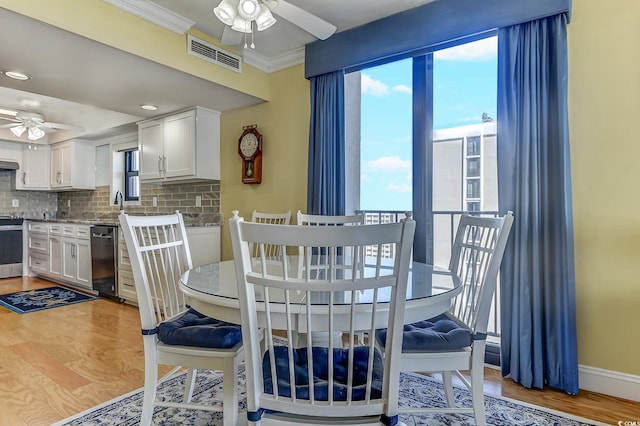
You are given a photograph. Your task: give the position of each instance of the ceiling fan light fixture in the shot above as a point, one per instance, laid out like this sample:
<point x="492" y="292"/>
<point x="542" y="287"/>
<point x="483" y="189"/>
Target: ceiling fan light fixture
<point x="18" y="130"/>
<point x="241" y="25"/>
<point x="249" y="9"/>
<point x="265" y="19"/>
<point x="35" y="133"/>
<point x="226" y="11"/>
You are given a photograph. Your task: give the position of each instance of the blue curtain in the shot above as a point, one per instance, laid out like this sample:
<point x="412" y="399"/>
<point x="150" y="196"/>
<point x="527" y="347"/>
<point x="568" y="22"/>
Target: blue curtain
<point x="326" y="178"/>
<point x="539" y="346"/>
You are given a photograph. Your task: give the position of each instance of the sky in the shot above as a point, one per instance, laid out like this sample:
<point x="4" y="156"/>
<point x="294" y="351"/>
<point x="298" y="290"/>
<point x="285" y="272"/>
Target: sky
<point x="464" y="87"/>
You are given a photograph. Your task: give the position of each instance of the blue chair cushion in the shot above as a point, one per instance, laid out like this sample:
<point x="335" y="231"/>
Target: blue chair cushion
<point x="194" y="329"/>
<point x="321" y="373"/>
<point x="435" y="334"/>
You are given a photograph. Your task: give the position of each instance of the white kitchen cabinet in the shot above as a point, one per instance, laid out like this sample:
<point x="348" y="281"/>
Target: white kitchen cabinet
<point x="38" y="248"/>
<point x="73" y="165"/>
<point x="83" y="253"/>
<point x="69" y="260"/>
<point x="151" y="139"/>
<point x="55" y="250"/>
<point x="10" y="151"/>
<point x="126" y="284"/>
<point x="34" y="169"/>
<point x="55" y="256"/>
<point x="76" y="255"/>
<point x="180" y="147"/>
<point x="204" y="244"/>
<point x="38" y="264"/>
<point x="61" y="252"/>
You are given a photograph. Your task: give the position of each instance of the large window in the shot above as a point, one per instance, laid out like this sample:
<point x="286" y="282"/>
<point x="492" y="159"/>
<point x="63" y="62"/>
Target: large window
<point x="428" y="144"/>
<point x="427" y="140"/>
<point x="131" y="178"/>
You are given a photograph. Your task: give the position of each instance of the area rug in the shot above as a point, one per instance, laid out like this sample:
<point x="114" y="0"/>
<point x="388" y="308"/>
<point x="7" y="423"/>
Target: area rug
<point x="125" y="410"/>
<point x="27" y="301"/>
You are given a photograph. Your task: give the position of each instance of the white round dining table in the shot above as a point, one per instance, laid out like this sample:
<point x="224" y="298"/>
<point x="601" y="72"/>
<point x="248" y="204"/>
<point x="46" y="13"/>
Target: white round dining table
<point x="212" y="290"/>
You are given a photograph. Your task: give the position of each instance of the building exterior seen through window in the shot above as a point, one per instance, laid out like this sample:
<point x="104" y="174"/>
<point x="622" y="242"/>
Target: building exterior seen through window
<point x="131" y="178"/>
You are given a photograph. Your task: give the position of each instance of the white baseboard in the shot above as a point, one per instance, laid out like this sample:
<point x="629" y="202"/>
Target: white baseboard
<point x="608" y="382"/>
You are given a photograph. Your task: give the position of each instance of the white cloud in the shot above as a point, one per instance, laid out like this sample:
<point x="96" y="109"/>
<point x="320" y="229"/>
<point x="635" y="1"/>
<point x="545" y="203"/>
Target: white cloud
<point x="402" y="89"/>
<point x="480" y="50"/>
<point x="389" y="163"/>
<point x="406" y="187"/>
<point x="373" y="87"/>
<point x="399" y="188"/>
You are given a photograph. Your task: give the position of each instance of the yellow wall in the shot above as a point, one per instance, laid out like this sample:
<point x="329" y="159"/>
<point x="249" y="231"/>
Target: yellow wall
<point x="604" y="108"/>
<point x="284" y="125"/>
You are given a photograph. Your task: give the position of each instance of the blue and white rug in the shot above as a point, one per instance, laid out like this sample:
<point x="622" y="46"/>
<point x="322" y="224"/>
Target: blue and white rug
<point x="125" y="410"/>
<point x="27" y="301"/>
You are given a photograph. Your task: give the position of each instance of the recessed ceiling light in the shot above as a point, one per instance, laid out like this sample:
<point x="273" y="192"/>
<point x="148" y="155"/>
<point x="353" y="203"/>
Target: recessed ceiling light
<point x="149" y="107"/>
<point x="16" y="75"/>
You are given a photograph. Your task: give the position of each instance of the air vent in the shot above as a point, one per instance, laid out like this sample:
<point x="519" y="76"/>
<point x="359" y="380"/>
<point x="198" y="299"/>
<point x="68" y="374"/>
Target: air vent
<point x="213" y="54"/>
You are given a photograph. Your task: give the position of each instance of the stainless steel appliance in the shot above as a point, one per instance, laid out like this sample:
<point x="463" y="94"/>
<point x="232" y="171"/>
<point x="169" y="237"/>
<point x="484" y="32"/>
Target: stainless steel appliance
<point x="104" y="249"/>
<point x="10" y="247"/>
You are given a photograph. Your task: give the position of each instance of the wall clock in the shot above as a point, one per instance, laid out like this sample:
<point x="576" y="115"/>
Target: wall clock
<point x="250" y="150"/>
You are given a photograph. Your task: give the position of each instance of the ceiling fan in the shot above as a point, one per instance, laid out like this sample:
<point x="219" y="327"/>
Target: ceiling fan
<point x="239" y="17"/>
<point x="34" y="124"/>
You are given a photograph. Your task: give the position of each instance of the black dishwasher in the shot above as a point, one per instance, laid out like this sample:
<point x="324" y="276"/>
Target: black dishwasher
<point x="104" y="249"/>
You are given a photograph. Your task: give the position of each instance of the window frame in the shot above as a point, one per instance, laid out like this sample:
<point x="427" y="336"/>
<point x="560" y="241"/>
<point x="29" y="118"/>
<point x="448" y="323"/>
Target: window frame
<point x="131" y="172"/>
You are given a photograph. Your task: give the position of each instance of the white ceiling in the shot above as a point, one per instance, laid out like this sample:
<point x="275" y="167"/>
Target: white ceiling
<point x="80" y="82"/>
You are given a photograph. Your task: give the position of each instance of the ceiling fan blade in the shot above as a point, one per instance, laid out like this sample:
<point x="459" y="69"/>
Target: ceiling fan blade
<point x="10" y="119"/>
<point x="310" y="23"/>
<point x="230" y="37"/>
<point x="53" y="126"/>
<point x="6" y="126"/>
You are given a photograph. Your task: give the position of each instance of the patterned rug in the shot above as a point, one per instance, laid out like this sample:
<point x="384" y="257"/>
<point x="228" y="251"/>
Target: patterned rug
<point x="27" y="301"/>
<point x="125" y="410"/>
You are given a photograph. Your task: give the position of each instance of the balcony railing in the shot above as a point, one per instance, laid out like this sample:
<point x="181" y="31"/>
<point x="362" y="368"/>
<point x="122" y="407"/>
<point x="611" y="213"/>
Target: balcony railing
<point x="445" y="224"/>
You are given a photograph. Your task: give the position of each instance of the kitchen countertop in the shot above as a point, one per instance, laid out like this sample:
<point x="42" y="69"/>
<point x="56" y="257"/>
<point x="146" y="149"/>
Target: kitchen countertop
<point x="189" y="220"/>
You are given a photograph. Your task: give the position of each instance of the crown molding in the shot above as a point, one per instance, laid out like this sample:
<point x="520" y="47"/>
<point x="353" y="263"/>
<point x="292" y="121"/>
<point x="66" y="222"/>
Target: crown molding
<point x="277" y="63"/>
<point x="154" y="13"/>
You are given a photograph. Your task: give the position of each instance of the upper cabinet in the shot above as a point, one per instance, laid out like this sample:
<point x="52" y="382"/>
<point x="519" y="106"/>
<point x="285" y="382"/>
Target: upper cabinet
<point x="34" y="169"/>
<point x="73" y="165"/>
<point x="180" y="147"/>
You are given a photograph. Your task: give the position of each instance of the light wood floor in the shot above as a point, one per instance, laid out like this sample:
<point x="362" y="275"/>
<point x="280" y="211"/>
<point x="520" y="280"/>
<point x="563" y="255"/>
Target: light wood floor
<point x="58" y="362"/>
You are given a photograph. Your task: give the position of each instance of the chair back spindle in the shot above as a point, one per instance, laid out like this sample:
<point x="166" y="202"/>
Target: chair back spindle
<point x="271" y="251"/>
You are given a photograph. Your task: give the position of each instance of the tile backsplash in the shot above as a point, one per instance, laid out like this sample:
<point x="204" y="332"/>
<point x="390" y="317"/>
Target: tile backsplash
<point x="97" y="204"/>
<point x="31" y="204"/>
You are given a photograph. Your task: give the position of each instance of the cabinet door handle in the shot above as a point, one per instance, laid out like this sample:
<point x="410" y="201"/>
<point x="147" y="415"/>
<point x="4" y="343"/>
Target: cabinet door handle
<point x="164" y="165"/>
<point x="24" y="178"/>
<point x="160" y="164"/>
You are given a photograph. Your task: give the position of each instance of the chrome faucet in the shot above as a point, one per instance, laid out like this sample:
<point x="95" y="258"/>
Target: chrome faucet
<point x="121" y="200"/>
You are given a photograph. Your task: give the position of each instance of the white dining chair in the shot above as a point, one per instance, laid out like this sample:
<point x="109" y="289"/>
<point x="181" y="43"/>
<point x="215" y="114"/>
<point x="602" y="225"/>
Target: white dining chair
<point x="172" y="333"/>
<point x="272" y="219"/>
<point x="347" y="384"/>
<point x="455" y="341"/>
